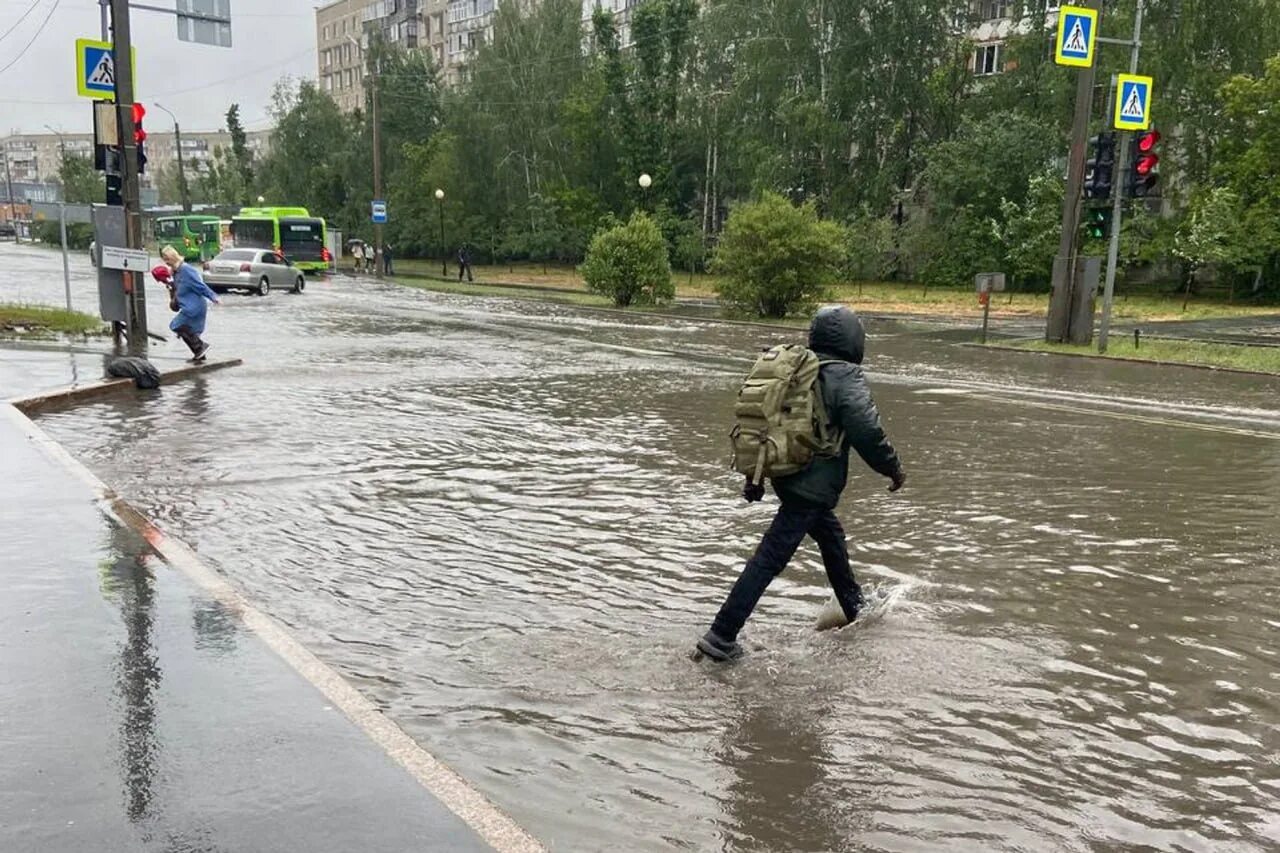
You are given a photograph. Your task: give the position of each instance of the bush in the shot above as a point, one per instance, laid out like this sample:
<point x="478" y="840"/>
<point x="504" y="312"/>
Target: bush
<point x="777" y="258"/>
<point x="628" y="263"/>
<point x="79" y="234"/>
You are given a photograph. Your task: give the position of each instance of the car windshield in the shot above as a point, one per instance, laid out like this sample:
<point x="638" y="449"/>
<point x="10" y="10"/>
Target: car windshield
<point x="237" y="255"/>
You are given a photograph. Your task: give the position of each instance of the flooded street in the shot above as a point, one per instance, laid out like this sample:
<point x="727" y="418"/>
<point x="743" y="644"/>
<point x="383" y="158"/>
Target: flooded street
<point x="507" y="522"/>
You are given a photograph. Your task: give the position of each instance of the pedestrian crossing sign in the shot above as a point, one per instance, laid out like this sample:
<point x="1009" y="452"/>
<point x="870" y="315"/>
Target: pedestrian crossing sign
<point x="1077" y="36"/>
<point x="1133" y="102"/>
<point x="96" y="69"/>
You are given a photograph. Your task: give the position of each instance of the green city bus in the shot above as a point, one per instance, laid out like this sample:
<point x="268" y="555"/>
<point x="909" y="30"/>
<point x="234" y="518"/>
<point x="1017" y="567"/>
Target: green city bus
<point x="189" y="234"/>
<point x="291" y="231"/>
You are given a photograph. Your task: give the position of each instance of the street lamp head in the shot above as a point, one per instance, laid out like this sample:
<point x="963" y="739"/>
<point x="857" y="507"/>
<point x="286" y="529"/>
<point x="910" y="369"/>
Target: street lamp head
<point x="645" y="181"/>
<point x="262" y="199"/>
<point x="439" y="195"/>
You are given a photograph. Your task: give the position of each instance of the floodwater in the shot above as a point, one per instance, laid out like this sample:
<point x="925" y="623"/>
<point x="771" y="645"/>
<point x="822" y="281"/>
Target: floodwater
<point x="507" y="522"/>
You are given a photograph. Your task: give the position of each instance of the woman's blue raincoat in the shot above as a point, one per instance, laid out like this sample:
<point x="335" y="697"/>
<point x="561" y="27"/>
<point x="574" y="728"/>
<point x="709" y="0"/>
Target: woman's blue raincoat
<point x="192" y="293"/>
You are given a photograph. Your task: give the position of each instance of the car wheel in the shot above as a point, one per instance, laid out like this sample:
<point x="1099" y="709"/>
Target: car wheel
<point x="301" y="284"/>
<point x="264" y="286"/>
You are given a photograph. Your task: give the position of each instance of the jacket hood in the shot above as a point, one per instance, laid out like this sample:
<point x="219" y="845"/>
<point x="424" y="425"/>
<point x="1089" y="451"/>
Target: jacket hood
<point x="837" y="331"/>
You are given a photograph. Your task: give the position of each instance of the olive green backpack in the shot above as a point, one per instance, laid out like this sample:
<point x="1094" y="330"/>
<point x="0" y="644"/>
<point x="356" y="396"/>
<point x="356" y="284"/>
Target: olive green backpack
<point x="782" y="422"/>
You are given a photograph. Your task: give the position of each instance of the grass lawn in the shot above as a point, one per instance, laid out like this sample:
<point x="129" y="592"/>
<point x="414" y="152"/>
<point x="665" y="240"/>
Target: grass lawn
<point x="871" y="297"/>
<point x="1166" y="351"/>
<point x="39" y="319"/>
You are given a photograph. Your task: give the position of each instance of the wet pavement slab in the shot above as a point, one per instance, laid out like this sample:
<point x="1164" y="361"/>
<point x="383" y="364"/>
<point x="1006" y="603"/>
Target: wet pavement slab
<point x="138" y="714"/>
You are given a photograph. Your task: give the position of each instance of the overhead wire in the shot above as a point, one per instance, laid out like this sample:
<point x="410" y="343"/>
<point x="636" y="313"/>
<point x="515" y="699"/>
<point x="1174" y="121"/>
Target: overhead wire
<point x="38" y="31"/>
<point x="18" y="22"/>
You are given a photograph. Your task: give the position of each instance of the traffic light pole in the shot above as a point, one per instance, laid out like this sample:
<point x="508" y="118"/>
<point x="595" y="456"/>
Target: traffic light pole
<point x="1117" y="209"/>
<point x="134" y="284"/>
<point x="1058" y="328"/>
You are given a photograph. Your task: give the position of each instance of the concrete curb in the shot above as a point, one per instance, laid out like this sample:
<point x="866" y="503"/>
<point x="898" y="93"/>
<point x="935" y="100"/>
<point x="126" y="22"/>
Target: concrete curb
<point x="107" y="387"/>
<point x="493" y="826"/>
<point x="1147" y="361"/>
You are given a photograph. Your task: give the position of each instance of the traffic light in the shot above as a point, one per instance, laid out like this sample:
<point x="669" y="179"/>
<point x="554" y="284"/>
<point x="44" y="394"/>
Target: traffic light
<point x="115" y="190"/>
<point x="140" y="136"/>
<point x="1143" y="160"/>
<point x="1097" y="223"/>
<point x="1100" y="167"/>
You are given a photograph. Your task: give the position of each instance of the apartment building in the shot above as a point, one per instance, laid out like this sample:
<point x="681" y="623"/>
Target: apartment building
<point x="36" y="157"/>
<point x="340" y="48"/>
<point x="991" y="23"/>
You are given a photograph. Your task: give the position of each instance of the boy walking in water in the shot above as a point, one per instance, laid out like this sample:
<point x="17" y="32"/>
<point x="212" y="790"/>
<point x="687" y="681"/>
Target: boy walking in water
<point x="809" y="497"/>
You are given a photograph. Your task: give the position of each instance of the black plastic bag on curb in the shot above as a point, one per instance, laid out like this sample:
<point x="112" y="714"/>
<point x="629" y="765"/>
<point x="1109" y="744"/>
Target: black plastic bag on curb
<point x="143" y="373"/>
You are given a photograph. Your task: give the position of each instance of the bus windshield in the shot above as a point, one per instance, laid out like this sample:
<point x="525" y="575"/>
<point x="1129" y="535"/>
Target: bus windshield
<point x="169" y="228"/>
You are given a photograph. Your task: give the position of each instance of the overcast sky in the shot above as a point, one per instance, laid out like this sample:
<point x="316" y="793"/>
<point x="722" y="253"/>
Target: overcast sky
<point x="271" y="38"/>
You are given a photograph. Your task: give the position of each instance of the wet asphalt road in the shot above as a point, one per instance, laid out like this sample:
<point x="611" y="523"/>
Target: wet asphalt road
<point x="507" y="521"/>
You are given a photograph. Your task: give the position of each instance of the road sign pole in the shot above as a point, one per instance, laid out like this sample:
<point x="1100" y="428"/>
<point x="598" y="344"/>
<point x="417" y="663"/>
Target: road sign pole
<point x="66" y="264"/>
<point x="1117" y="207"/>
<point x="377" y="164"/>
<point x="134" y="283"/>
<point x="1058" y="328"/>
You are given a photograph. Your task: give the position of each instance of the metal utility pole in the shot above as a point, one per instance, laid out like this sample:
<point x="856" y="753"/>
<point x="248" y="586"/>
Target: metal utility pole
<point x="8" y="180"/>
<point x="134" y="284"/>
<point x="376" y="116"/>
<point x="183" y="190"/>
<point x="1062" y="301"/>
<point x="1117" y="207"/>
<point x="377" y="166"/>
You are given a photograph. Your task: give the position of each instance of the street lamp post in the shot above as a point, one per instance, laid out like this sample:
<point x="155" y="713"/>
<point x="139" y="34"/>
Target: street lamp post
<point x="183" y="190"/>
<point x="444" y="251"/>
<point x="62" y="220"/>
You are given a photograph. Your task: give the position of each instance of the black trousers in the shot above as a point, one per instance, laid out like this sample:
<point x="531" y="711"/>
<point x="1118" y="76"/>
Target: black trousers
<point x="789" y="527"/>
<point x="464" y="268"/>
<point x="190" y="338"/>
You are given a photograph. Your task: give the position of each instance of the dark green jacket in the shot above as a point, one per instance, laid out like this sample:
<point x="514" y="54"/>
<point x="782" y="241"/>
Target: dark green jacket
<point x="836" y="334"/>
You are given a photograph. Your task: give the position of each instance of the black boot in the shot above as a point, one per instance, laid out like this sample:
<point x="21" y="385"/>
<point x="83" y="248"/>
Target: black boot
<point x="718" y="648"/>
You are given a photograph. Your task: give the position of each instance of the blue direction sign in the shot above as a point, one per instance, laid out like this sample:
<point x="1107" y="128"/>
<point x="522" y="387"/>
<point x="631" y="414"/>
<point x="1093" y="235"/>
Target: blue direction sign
<point x="1077" y="36"/>
<point x="1133" y="102"/>
<point x="379" y="213"/>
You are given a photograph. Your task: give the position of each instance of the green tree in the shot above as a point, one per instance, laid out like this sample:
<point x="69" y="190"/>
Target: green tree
<point x="1212" y="235"/>
<point x="241" y="156"/>
<point x="777" y="258"/>
<point x="81" y="183"/>
<point x="1029" y="229"/>
<point x="628" y="263"/>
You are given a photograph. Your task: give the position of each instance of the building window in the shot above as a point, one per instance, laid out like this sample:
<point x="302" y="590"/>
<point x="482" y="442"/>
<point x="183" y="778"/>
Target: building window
<point x="988" y="59"/>
<point x="994" y="10"/>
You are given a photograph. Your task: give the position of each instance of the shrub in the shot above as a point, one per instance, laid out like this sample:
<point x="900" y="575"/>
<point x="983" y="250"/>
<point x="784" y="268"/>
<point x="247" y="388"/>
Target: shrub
<point x="777" y="258"/>
<point x="628" y="263"/>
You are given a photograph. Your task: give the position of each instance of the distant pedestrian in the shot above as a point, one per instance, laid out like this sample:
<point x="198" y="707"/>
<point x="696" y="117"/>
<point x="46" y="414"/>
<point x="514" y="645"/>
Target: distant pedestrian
<point x="191" y="294"/>
<point x="464" y="262"/>
<point x="387" y="259"/>
<point x="844" y="418"/>
<point x="357" y="253"/>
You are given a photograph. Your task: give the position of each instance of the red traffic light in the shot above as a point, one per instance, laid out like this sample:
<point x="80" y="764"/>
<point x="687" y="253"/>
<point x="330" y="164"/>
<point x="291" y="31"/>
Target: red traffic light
<point x="1146" y="164"/>
<point x="1147" y="141"/>
<point x="139" y="112"/>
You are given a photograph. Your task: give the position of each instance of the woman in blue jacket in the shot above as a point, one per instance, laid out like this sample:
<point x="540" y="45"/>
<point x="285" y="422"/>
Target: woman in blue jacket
<point x="191" y="294"/>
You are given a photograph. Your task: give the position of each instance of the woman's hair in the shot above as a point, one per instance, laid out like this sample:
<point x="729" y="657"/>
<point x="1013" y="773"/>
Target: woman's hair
<point x="169" y="252"/>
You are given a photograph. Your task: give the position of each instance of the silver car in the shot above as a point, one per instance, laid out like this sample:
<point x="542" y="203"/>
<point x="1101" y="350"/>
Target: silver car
<point x="252" y="270"/>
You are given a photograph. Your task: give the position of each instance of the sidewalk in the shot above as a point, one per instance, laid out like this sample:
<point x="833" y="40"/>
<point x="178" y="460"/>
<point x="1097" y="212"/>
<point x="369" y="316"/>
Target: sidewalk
<point x="145" y="706"/>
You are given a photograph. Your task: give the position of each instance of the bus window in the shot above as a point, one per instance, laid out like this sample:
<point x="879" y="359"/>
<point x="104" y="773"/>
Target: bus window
<point x="254" y="233"/>
<point x="169" y="229"/>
